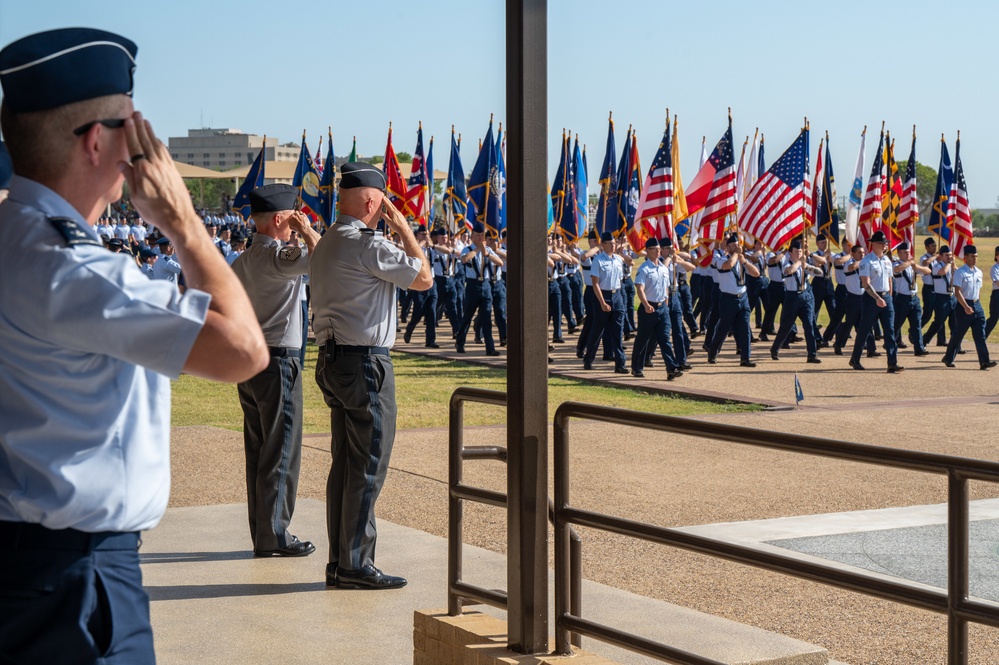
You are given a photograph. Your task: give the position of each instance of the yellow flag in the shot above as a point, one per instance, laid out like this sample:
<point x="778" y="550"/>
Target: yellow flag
<point x="679" y="198"/>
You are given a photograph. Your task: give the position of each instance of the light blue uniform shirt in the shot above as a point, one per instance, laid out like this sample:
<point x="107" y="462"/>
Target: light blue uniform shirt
<point x="609" y="271"/>
<point x="852" y="276"/>
<point x="654" y="277"/>
<point x="87" y="347"/>
<point x="879" y="271"/>
<point x="905" y="281"/>
<point x="479" y="266"/>
<point x="969" y="280"/>
<point x="732" y="281"/>
<point x="166" y="268"/>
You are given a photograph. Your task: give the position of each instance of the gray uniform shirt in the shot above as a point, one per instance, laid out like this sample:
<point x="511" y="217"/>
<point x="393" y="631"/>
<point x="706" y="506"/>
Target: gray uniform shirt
<point x="354" y="275"/>
<point x="272" y="275"/>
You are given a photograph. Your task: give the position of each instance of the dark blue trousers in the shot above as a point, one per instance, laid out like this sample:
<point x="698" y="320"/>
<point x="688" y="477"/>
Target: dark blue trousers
<point x="775" y="297"/>
<point x="733" y="314"/>
<point x="565" y="288"/>
<point x="613" y="323"/>
<point x="478" y="306"/>
<point x="757" y="291"/>
<point x="908" y="308"/>
<point x="929" y="312"/>
<point x="851" y="319"/>
<point x="590" y="305"/>
<point x="943" y="313"/>
<point x="447" y="301"/>
<point x="686" y="303"/>
<point x="796" y="305"/>
<point x="653" y="330"/>
<point x="993" y="312"/>
<point x="499" y="307"/>
<point x="836" y="318"/>
<point x="962" y="322"/>
<point x="555" y="308"/>
<point x="576" y="295"/>
<point x="68" y="597"/>
<point x="869" y="314"/>
<point x="628" y="287"/>
<point x="681" y="342"/>
<point x="425" y="309"/>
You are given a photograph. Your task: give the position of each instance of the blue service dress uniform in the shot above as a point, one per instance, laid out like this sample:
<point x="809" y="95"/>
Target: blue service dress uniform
<point x="608" y="269"/>
<point x="969" y="280"/>
<point x="654" y="329"/>
<point x="354" y="275"/>
<point x="879" y="271"/>
<point x="88" y="345"/>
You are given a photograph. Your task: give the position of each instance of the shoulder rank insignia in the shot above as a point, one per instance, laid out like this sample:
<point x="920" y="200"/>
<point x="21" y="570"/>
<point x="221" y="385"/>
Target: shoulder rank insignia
<point x="71" y="231"/>
<point x="290" y="253"/>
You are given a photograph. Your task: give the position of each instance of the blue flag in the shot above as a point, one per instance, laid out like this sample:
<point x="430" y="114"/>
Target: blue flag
<point x="826" y="213"/>
<point x="561" y="187"/>
<point x="579" y="185"/>
<point x="799" y="396"/>
<point x="327" y="185"/>
<point x="484" y="186"/>
<point x="551" y="213"/>
<point x="941" y="196"/>
<point x="501" y="170"/>
<point x="430" y="184"/>
<point x="607" y="204"/>
<point x="622" y="204"/>
<point x="254" y="179"/>
<point x="307" y="181"/>
<point x="455" y="197"/>
<point x="569" y="219"/>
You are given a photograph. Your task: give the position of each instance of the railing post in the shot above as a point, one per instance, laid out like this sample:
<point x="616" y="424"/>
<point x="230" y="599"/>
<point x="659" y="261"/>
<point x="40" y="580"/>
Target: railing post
<point x="527" y="359"/>
<point x="454" y="504"/>
<point x="957" y="567"/>
<point x="563" y="556"/>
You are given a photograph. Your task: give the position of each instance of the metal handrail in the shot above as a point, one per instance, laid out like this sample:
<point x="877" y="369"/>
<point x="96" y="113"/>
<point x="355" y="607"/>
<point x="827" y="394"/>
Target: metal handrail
<point x="955" y="603"/>
<point x="458" y="492"/>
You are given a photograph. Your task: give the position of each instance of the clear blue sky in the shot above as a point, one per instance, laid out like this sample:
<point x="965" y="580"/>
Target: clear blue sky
<point x="277" y="68"/>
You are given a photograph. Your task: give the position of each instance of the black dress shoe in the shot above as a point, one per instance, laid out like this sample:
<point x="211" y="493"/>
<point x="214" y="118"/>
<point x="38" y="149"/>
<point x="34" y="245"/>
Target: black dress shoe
<point x="628" y="336"/>
<point x="460" y="349"/>
<point x="774" y="355"/>
<point x="813" y="360"/>
<point x="493" y="353"/>
<point x="432" y="346"/>
<point x="673" y="375"/>
<point x="331" y="574"/>
<point x="873" y="354"/>
<point x="558" y="340"/>
<point x="902" y="345"/>
<point x="368" y="577"/>
<point x="857" y="365"/>
<point x="922" y="353"/>
<point x="502" y="342"/>
<point x="648" y="363"/>
<point x="637" y="373"/>
<point x="747" y="363"/>
<point x="295" y="548"/>
<point x="822" y="344"/>
<point x="572" y="330"/>
<point x="407" y="337"/>
<point x="991" y="363"/>
<point x="579" y="354"/>
<point x="764" y="337"/>
<point x="686" y="366"/>
<point x="961" y="352"/>
<point x="477" y="340"/>
<point x="620" y="370"/>
<point x="754" y="339"/>
<point x="711" y="360"/>
<point x="587" y="365"/>
<point x="785" y="345"/>
<point x="895" y="369"/>
<point x="838" y="350"/>
<point x="948" y="363"/>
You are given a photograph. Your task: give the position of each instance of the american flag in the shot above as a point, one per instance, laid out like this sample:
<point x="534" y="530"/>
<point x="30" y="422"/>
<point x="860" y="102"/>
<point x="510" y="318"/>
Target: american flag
<point x="719" y="199"/>
<point x="870" y="211"/>
<point x="655" y="208"/>
<point x="713" y="189"/>
<point x="775" y="207"/>
<point x="908" y="212"/>
<point x="417" y="184"/>
<point x="958" y="209"/>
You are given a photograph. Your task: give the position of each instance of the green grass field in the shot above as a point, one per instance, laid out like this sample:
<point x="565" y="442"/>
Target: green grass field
<point x="423" y="389"/>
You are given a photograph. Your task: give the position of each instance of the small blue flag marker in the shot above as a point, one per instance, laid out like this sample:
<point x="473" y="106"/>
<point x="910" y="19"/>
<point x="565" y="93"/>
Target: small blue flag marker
<point x="798" y="394"/>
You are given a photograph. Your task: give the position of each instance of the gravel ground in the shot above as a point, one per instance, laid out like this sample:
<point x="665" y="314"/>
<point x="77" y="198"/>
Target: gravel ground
<point x="679" y="481"/>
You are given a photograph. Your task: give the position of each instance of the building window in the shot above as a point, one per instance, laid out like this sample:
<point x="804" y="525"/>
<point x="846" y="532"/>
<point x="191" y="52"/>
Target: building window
<point x="205" y="155"/>
<point x="206" y="163"/>
<point x="222" y="162"/>
<point x="249" y="157"/>
<point x="190" y="155"/>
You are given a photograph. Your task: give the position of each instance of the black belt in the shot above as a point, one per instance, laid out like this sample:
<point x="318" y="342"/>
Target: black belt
<point x="28" y="535"/>
<point x="883" y="294"/>
<point x="657" y="305"/>
<point x="970" y="302"/>
<point x="606" y="291"/>
<point x="346" y="349"/>
<point x="283" y="351"/>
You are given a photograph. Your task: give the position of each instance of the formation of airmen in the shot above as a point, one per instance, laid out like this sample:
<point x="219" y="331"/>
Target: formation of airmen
<point x="677" y="296"/>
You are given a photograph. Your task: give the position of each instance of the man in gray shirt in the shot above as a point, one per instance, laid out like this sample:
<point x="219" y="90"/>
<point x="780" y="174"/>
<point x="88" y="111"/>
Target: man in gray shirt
<point x="354" y="276"/>
<point x="272" y="274"/>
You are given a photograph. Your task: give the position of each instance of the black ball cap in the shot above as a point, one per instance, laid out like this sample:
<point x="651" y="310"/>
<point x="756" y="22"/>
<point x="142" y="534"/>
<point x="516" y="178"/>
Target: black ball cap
<point x="361" y="174"/>
<point x="59" y="67"/>
<point x="273" y="198"/>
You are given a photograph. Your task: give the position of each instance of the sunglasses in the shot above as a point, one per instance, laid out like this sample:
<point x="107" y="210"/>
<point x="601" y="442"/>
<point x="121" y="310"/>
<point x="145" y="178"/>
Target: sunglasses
<point x="111" y="123"/>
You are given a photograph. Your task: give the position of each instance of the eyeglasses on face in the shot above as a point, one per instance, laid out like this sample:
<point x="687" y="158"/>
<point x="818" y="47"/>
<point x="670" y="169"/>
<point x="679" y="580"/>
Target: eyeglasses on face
<point x="110" y="123"/>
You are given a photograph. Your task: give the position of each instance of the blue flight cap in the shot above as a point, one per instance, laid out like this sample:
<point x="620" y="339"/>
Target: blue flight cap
<point x="6" y="168"/>
<point x="970" y="249"/>
<point x="606" y="236"/>
<point x="796" y="243"/>
<point x="273" y="198"/>
<point x="361" y="174"/>
<point x="164" y="241"/>
<point x="666" y="242"/>
<point x="651" y="242"/>
<point x="902" y="245"/>
<point x="734" y="238"/>
<point x="58" y="67"/>
<point x="477" y="227"/>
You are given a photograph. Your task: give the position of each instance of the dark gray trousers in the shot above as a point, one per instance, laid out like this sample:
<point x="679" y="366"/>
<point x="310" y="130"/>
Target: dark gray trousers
<point x="360" y="391"/>
<point x="272" y="439"/>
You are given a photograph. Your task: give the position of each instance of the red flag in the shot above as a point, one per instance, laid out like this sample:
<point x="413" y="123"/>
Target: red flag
<point x="713" y="189"/>
<point x="655" y="209"/>
<point x="396" y="186"/>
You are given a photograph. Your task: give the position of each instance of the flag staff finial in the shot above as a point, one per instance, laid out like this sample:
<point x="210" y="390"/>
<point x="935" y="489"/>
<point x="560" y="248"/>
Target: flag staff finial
<point x="421" y="124"/>
<point x="882" y="126"/>
<point x="730" y="114"/>
<point x="959" y="135"/>
<point x="452" y="129"/>
<point x="490" y="118"/>
<point x="913" y="131"/>
<point x="864" y="133"/>
<point x="827" y="136"/>
<point x="610" y="115"/>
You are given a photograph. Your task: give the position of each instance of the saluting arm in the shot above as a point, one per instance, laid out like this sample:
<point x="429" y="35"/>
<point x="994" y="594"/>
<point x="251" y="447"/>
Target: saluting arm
<point x="425" y="279"/>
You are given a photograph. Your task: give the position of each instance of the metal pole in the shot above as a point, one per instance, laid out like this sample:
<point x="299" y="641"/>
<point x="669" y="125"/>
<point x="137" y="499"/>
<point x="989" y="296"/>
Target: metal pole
<point x="957" y="567"/>
<point x="527" y="361"/>
<point x="455" y="511"/>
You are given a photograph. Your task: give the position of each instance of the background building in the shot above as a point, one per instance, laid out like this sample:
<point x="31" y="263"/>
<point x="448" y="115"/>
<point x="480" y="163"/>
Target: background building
<point x="225" y="149"/>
